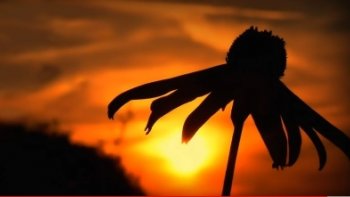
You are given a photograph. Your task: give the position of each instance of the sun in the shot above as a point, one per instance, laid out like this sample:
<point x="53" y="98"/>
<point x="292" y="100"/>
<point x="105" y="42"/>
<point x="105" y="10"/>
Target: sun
<point x="186" y="159"/>
<point x="182" y="159"/>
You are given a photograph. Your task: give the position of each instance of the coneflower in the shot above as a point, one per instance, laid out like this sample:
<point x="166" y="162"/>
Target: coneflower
<point x="251" y="78"/>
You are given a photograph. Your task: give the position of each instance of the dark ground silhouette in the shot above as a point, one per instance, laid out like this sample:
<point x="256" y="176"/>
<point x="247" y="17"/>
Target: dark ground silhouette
<point x="36" y="162"/>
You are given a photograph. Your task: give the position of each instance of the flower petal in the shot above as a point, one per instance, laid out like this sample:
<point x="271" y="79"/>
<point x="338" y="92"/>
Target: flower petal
<point x="321" y="151"/>
<point x="330" y="132"/>
<point x="292" y="128"/>
<point x="205" y="78"/>
<point x="271" y="130"/>
<point x="307" y="117"/>
<point x="203" y="112"/>
<point x="165" y="104"/>
<point x="294" y="137"/>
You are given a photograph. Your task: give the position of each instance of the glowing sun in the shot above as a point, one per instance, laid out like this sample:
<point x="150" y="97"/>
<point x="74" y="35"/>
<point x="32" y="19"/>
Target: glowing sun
<point x="182" y="159"/>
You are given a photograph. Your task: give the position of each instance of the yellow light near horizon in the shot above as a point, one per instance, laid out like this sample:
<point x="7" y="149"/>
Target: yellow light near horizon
<point x="185" y="159"/>
<point x="181" y="159"/>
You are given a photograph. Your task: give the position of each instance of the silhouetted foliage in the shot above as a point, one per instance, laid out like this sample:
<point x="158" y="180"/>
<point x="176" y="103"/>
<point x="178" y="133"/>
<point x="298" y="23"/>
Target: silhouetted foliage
<point x="36" y="162"/>
<point x="251" y="76"/>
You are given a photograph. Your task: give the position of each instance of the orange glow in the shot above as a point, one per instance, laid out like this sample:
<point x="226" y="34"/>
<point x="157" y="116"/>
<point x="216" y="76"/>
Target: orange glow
<point x="111" y="46"/>
<point x="161" y="156"/>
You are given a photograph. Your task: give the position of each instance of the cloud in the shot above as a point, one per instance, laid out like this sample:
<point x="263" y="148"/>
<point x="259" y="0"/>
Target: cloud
<point x="27" y="78"/>
<point x="95" y="38"/>
<point x="77" y="101"/>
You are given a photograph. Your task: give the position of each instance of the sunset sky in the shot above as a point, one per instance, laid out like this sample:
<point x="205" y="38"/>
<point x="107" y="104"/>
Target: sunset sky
<point x="65" y="60"/>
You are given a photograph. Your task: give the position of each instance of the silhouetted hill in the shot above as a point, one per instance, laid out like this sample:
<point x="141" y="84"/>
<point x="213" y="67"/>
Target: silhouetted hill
<point x="35" y="162"/>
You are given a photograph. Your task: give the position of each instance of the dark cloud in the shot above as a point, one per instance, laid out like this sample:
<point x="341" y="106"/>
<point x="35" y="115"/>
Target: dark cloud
<point x="302" y="13"/>
<point x="27" y="77"/>
<point x="233" y="19"/>
<point x="297" y="77"/>
<point x="313" y="5"/>
<point x="19" y="36"/>
<point x="42" y="42"/>
<point x="165" y="49"/>
<point x="339" y="24"/>
<point x="77" y="102"/>
<point x="154" y="51"/>
<point x="48" y="72"/>
<point x="335" y="13"/>
<point x="27" y="25"/>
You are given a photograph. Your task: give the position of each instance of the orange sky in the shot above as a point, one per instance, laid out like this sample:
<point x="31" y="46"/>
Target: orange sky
<point x="65" y="60"/>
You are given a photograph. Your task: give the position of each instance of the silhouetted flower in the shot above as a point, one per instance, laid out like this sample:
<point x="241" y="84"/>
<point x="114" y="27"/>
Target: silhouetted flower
<point x="251" y="77"/>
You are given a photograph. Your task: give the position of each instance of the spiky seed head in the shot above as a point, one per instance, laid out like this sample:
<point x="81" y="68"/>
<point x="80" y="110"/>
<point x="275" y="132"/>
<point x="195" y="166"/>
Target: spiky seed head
<point x="258" y="51"/>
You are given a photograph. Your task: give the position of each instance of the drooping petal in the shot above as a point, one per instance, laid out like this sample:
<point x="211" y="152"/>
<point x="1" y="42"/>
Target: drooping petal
<point x="330" y="132"/>
<point x="292" y="129"/>
<point x="321" y="151"/>
<point x="208" y="78"/>
<point x="271" y="130"/>
<point x="309" y="118"/>
<point x="266" y="112"/>
<point x="165" y="104"/>
<point x="294" y="137"/>
<point x="211" y="104"/>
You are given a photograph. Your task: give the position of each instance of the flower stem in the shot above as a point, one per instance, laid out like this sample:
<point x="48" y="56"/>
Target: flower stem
<point x="230" y="168"/>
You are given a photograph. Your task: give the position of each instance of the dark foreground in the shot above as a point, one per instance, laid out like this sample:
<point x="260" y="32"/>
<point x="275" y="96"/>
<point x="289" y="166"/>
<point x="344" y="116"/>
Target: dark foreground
<point x="37" y="161"/>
